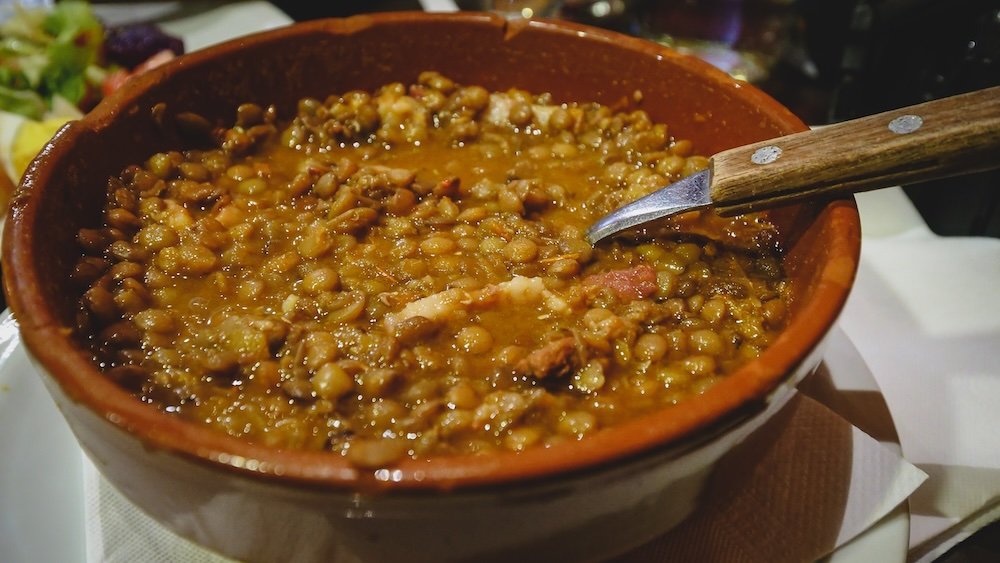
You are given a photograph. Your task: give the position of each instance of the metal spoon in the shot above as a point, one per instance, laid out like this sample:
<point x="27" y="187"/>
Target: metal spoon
<point x="947" y="137"/>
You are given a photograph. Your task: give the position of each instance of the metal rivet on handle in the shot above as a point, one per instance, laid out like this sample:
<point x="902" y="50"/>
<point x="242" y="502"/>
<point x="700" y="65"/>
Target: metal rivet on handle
<point x="905" y="124"/>
<point x="765" y="155"/>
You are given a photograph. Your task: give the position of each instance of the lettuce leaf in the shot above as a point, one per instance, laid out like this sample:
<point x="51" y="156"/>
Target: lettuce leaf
<point x="52" y="51"/>
<point x="25" y="102"/>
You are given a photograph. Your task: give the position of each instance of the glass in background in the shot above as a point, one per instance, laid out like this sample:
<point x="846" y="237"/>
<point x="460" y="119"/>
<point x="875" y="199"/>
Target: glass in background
<point x="512" y="9"/>
<point x="619" y="15"/>
<point x="761" y="41"/>
<point x="745" y="38"/>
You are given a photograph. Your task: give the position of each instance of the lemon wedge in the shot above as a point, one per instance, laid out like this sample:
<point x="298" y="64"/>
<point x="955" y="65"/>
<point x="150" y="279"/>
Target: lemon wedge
<point x="31" y="136"/>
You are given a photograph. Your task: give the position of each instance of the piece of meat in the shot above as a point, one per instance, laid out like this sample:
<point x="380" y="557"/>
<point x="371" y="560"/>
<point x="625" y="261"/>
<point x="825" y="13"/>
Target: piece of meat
<point x="628" y="284"/>
<point x="751" y="231"/>
<point x="520" y="290"/>
<point x="555" y="359"/>
<point x="434" y="307"/>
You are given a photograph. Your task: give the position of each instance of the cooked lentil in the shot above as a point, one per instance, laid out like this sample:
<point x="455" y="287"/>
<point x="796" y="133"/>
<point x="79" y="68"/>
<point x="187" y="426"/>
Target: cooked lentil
<point x="404" y="273"/>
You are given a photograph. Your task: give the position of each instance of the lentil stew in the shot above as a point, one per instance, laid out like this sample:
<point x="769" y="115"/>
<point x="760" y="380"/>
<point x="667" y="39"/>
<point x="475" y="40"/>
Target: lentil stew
<point x="403" y="273"/>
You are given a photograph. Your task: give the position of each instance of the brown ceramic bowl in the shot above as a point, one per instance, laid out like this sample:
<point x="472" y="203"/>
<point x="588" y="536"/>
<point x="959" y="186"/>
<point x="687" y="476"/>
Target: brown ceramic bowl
<point x="607" y="492"/>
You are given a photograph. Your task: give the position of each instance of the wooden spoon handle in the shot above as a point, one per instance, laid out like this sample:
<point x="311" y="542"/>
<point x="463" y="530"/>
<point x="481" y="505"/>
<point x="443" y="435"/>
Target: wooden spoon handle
<point x="946" y="137"/>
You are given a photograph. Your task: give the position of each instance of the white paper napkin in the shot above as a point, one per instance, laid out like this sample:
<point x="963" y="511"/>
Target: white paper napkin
<point x="925" y="315"/>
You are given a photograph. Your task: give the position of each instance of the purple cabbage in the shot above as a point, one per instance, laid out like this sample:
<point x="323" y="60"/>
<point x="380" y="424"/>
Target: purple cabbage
<point x="130" y="45"/>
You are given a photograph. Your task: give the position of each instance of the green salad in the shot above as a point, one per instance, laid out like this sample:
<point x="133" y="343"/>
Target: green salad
<point x="50" y="57"/>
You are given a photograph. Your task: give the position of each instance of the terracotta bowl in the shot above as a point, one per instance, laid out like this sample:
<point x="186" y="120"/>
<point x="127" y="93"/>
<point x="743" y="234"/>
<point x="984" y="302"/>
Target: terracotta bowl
<point x="581" y="500"/>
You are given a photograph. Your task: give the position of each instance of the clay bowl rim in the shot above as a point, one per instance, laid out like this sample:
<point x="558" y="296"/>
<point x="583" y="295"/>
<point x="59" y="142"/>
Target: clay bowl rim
<point x="665" y="430"/>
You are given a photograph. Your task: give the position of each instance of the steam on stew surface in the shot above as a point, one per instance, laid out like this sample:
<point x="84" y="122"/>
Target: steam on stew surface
<point x="404" y="273"/>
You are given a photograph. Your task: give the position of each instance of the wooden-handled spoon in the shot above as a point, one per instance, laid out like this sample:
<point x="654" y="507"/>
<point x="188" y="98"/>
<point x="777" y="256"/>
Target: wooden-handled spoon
<point x="947" y="137"/>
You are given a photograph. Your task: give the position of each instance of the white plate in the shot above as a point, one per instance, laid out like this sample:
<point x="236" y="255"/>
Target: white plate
<point x="41" y="477"/>
<point x="889" y="539"/>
